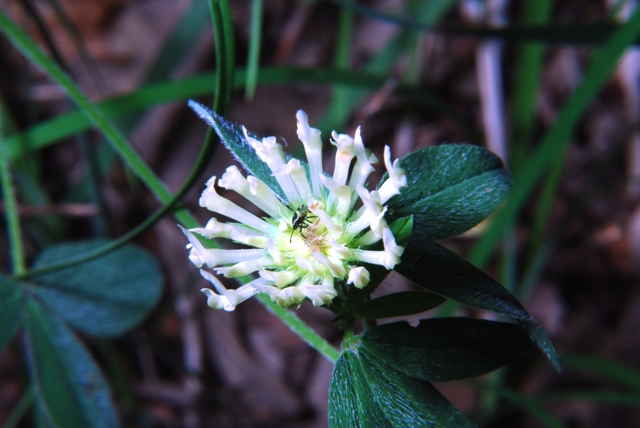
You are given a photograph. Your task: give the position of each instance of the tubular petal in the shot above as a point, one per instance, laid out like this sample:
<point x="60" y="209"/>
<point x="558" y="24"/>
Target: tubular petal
<point x="310" y="138"/>
<point x="216" y="203"/>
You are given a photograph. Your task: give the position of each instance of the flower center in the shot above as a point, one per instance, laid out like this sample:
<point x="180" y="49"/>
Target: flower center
<point x="315" y="237"/>
<point x="301" y="240"/>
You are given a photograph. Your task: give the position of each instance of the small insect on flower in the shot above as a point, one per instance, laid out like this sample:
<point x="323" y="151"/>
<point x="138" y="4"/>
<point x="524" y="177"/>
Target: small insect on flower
<point x="301" y="220"/>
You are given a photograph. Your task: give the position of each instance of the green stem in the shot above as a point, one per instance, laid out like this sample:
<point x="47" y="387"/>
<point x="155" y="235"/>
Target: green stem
<point x="301" y="329"/>
<point x="342" y="96"/>
<point x="216" y="23"/>
<point x="529" y="404"/>
<point x="10" y="204"/>
<point x="342" y="59"/>
<point x="92" y="183"/>
<point x="253" y="60"/>
<point x="416" y="51"/>
<point x="545" y="203"/>
<point x="348" y="331"/>
<point x="229" y="52"/>
<point x="369" y="323"/>
<point x="533" y="407"/>
<point x="223" y="36"/>
<point x="530" y="66"/>
<point x="202" y="161"/>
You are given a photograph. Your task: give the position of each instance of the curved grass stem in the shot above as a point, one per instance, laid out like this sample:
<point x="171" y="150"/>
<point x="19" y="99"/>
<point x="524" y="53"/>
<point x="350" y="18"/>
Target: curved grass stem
<point x="10" y="204"/>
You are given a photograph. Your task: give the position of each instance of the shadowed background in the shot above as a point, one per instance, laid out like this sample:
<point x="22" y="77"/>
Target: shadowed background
<point x="571" y="255"/>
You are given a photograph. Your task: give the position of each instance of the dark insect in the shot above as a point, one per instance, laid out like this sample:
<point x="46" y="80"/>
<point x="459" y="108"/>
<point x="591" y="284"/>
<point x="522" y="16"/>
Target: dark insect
<point x="301" y="220"/>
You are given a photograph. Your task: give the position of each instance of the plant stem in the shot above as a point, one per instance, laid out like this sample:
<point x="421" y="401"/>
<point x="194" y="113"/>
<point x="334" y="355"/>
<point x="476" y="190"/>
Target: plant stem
<point x="10" y="204"/>
<point x="253" y="60"/>
<point x="301" y="329"/>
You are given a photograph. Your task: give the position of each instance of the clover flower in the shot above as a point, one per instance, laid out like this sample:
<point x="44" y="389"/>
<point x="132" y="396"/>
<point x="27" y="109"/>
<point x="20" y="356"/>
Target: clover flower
<point x="319" y="235"/>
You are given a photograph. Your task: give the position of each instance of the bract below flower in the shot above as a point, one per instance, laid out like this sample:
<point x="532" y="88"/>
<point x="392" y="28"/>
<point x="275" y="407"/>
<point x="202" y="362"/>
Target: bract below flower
<point x="303" y="245"/>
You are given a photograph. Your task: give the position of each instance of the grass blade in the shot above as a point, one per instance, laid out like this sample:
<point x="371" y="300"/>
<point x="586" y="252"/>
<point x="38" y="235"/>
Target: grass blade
<point x="255" y="41"/>
<point x="594" y="396"/>
<point x="10" y="203"/>
<point x="229" y="50"/>
<point x="609" y="370"/>
<point x="533" y="407"/>
<point x="190" y="26"/>
<point x="555" y="142"/>
<point x="340" y="106"/>
<point x="223" y="34"/>
<point x="429" y="12"/>
<point x="48" y="132"/>
<point x="530" y="64"/>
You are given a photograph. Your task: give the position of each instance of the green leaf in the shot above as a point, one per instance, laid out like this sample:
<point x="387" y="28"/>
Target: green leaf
<point x="401" y="230"/>
<point x="399" y="304"/>
<point x="365" y="392"/>
<point x="451" y="188"/>
<point x="370" y="413"/>
<point x="438" y="269"/>
<point x="234" y="140"/>
<point x="105" y="296"/>
<point x="342" y="396"/>
<point x="612" y="371"/>
<point x="443" y="349"/>
<point x="70" y="389"/>
<point x="350" y="403"/>
<point x="10" y="298"/>
<point x="406" y="401"/>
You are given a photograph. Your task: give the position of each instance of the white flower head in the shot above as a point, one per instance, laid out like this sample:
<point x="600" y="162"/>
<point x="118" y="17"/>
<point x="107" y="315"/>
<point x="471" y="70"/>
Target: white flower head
<point x="307" y="241"/>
